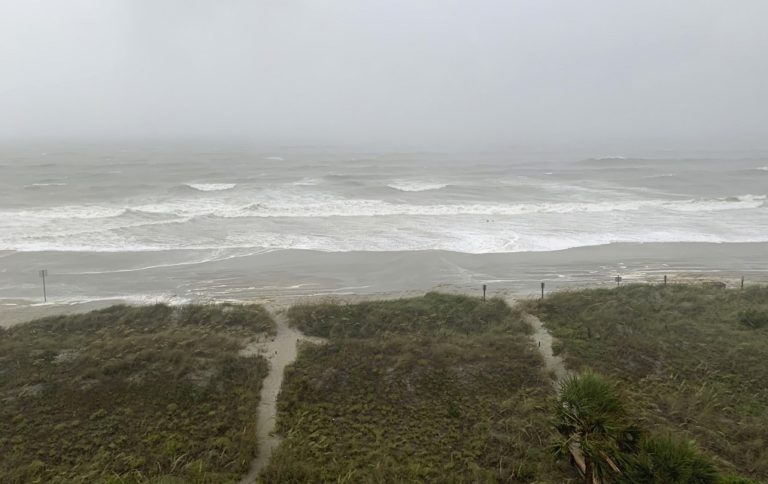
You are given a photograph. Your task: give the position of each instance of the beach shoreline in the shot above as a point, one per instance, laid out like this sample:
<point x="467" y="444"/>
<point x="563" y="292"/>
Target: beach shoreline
<point x="281" y="278"/>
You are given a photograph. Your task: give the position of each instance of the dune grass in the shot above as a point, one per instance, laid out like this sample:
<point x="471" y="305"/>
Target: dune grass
<point x="435" y="313"/>
<point x="429" y="389"/>
<point x="691" y="358"/>
<point x="131" y="394"/>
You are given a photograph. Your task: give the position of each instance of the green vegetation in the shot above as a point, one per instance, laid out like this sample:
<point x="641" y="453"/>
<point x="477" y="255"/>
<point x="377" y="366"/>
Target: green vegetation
<point x="599" y="434"/>
<point x="435" y="388"/>
<point x="131" y="394"/>
<point x="754" y="318"/>
<point x="590" y="416"/>
<point x="669" y="460"/>
<point x="688" y="362"/>
<point x="433" y="314"/>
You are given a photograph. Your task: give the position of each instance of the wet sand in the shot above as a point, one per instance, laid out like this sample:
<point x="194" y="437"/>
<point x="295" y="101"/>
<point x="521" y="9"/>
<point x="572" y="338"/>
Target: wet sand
<point x="83" y="281"/>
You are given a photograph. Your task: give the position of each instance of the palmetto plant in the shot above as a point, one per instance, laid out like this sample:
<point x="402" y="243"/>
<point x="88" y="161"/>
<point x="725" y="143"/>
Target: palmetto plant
<point x="592" y="422"/>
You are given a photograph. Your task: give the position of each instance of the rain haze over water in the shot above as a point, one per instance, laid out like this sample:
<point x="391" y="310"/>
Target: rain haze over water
<point x="475" y="204"/>
<point x="216" y="139"/>
<point x="390" y="74"/>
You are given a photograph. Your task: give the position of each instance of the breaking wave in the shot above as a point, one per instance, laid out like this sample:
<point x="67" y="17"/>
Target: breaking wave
<point x="416" y="186"/>
<point x="211" y="187"/>
<point x="279" y="204"/>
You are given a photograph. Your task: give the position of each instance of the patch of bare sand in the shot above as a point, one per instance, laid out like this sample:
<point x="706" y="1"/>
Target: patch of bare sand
<point x="280" y="351"/>
<point x="13" y="312"/>
<point x="542" y="340"/>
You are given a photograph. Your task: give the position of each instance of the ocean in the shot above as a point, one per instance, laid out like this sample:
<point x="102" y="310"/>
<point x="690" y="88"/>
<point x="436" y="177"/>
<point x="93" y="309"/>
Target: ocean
<point x="153" y="224"/>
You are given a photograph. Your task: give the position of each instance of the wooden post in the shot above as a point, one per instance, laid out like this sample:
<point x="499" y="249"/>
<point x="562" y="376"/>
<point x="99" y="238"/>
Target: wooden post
<point x="665" y="279"/>
<point x="618" y="281"/>
<point x="542" y="290"/>
<point x="43" y="273"/>
<point x="484" y="288"/>
<point x="742" y="282"/>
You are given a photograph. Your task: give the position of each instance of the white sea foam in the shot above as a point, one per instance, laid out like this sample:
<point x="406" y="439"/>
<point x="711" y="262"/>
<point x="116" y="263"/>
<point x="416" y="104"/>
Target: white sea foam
<point x="496" y="209"/>
<point x="307" y="182"/>
<point x="211" y="187"/>
<point x="219" y="255"/>
<point x="762" y="168"/>
<point x="466" y="235"/>
<point x="415" y="186"/>
<point x="134" y="299"/>
<point x="41" y="185"/>
<point x="281" y="204"/>
<point x="61" y="212"/>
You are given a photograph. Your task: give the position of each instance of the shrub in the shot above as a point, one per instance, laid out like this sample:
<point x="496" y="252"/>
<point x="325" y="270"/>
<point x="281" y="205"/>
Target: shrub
<point x="754" y="318"/>
<point x="590" y="416"/>
<point x="684" y="360"/>
<point x="131" y="394"/>
<point x="668" y="460"/>
<point x="440" y="388"/>
<point x="434" y="313"/>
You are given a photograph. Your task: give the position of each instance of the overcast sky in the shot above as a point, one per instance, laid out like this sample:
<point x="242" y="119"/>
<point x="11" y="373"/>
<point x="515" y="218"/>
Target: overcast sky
<point x="386" y="72"/>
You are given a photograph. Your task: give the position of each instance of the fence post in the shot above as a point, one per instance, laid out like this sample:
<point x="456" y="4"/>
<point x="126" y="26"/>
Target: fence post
<point x="742" y="282"/>
<point x="542" y="290"/>
<point x="665" y="279"/>
<point x="484" y="288"/>
<point x="618" y="281"/>
<point x="43" y="273"/>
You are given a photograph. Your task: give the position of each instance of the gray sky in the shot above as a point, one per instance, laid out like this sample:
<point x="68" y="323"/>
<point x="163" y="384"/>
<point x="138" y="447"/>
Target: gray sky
<point x="428" y="72"/>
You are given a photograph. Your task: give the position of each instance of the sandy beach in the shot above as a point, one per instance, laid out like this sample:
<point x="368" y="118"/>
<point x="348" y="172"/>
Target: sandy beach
<point x="82" y="281"/>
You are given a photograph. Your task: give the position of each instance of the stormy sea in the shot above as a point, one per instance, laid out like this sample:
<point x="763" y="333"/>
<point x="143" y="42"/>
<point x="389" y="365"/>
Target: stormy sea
<point x="149" y="224"/>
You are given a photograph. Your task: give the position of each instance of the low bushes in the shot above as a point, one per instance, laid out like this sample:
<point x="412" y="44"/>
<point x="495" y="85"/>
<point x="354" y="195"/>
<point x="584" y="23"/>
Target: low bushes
<point x="683" y="357"/>
<point x="131" y="394"/>
<point x="431" y="314"/>
<point x="432" y="389"/>
<point x="754" y="318"/>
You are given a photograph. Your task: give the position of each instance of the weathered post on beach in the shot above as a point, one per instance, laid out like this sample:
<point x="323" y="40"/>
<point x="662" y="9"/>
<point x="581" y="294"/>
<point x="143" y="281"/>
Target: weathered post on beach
<point x="484" y="288"/>
<point x="542" y="290"/>
<point x="742" y="282"/>
<point x="618" y="281"/>
<point x="665" y="279"/>
<point x="43" y="273"/>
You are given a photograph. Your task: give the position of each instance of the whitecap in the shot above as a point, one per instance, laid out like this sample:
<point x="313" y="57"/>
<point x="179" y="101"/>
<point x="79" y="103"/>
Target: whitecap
<point x="41" y="185"/>
<point x="287" y="204"/>
<point x="306" y="182"/>
<point x="211" y="187"/>
<point x="415" y="186"/>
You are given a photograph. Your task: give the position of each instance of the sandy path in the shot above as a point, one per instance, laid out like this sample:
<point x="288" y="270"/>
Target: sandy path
<point x="555" y="367"/>
<point x="542" y="339"/>
<point x="279" y="351"/>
